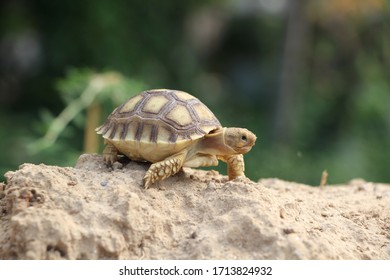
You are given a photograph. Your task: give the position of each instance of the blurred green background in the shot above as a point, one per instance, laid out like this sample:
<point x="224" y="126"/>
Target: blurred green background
<point x="310" y="78"/>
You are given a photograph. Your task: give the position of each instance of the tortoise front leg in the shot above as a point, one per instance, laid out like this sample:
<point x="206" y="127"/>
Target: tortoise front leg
<point x="163" y="169"/>
<point x="110" y="153"/>
<point x="235" y="165"/>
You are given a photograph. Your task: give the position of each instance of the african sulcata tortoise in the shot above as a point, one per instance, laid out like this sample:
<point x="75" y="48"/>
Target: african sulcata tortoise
<point x="172" y="129"/>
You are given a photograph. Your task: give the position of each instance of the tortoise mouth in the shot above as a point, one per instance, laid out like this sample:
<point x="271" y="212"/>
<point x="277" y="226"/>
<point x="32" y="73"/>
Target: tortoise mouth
<point x="245" y="149"/>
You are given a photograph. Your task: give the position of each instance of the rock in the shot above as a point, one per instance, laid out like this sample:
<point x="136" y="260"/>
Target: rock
<point x="95" y="212"/>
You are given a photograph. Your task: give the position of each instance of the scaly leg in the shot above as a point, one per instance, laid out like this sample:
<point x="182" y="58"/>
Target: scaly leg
<point x="110" y="153"/>
<point x="163" y="169"/>
<point x="235" y="166"/>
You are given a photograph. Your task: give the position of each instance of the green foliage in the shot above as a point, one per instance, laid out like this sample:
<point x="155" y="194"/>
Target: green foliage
<point x="80" y="89"/>
<point x="228" y="53"/>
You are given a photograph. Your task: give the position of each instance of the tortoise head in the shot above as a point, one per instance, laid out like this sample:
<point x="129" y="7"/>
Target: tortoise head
<point x="241" y="140"/>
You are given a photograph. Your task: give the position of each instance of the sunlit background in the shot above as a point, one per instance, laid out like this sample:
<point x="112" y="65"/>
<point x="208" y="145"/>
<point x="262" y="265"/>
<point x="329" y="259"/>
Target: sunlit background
<point x="310" y="78"/>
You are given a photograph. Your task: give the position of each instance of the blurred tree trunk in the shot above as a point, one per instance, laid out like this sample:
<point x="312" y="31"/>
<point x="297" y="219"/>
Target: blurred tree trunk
<point x="293" y="59"/>
<point x="91" y="139"/>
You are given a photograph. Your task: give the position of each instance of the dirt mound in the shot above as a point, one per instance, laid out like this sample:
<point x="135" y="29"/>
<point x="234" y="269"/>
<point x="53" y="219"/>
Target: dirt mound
<point x="93" y="212"/>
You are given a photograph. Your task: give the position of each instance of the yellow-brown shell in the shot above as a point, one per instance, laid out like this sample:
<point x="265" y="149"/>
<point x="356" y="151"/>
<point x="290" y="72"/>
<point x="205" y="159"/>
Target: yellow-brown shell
<point x="157" y="123"/>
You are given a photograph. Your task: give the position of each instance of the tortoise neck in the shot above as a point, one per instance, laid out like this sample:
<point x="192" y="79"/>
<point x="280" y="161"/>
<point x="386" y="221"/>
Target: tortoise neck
<point x="214" y="143"/>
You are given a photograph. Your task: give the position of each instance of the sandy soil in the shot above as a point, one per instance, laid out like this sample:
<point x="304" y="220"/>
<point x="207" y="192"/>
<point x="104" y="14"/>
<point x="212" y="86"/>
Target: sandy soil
<point x="95" y="212"/>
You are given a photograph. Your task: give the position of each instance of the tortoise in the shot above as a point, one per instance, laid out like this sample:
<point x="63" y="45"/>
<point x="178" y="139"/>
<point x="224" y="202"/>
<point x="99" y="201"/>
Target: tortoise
<point x="172" y="129"/>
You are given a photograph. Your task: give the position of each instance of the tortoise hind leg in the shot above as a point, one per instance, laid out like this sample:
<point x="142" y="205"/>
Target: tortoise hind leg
<point x="110" y="153"/>
<point x="163" y="169"/>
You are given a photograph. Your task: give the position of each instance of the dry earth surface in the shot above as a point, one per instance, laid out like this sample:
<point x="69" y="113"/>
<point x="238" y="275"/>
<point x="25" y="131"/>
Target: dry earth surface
<point x="95" y="212"/>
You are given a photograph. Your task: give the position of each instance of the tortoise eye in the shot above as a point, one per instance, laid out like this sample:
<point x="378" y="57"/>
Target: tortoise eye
<point x="243" y="138"/>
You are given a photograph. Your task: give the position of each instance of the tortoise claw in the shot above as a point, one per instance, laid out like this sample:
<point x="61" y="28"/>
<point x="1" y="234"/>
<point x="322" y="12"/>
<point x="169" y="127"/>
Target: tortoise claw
<point x="147" y="181"/>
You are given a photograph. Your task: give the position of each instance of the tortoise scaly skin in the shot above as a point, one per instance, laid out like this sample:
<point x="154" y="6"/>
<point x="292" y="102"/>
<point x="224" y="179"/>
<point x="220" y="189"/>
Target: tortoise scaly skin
<point x="172" y="129"/>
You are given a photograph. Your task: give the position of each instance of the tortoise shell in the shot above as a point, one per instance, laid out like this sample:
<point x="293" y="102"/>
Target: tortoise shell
<point x="157" y="123"/>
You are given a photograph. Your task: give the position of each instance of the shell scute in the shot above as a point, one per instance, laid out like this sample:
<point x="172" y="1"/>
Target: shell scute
<point x="154" y="104"/>
<point x="129" y="105"/>
<point x="180" y="115"/>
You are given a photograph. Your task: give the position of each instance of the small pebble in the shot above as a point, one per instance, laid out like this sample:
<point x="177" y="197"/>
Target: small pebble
<point x="282" y="213"/>
<point x="104" y="183"/>
<point x="325" y="214"/>
<point x="211" y="185"/>
<point x="288" y="230"/>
